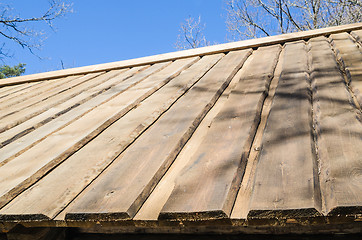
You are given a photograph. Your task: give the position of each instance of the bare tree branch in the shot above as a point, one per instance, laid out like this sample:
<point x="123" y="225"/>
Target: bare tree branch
<point x="283" y="16"/>
<point x="17" y="29"/>
<point x="191" y="34"/>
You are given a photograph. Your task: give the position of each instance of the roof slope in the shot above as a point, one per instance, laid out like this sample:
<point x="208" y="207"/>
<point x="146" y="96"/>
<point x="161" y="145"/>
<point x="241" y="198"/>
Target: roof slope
<point x="265" y="134"/>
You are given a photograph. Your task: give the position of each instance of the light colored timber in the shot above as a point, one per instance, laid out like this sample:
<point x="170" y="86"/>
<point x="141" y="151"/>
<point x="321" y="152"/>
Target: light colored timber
<point x="22" y="92"/>
<point x="39" y="92"/>
<point x="221" y="157"/>
<point x="286" y="183"/>
<point x="65" y="182"/>
<point x="6" y="91"/>
<point x="339" y="134"/>
<point x="72" y="103"/>
<point x="34" y="131"/>
<point x="184" y="54"/>
<point x="24" y="170"/>
<point x="121" y="189"/>
<point x="350" y="57"/>
<point x="241" y="206"/>
<point x="152" y="207"/>
<point x="26" y="113"/>
<point x="357" y="34"/>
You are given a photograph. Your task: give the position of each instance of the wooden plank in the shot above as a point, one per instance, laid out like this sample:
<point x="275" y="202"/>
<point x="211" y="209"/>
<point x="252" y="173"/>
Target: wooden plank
<point x="186" y="53"/>
<point x="65" y="182"/>
<point x="21" y="145"/>
<point x="21" y="116"/>
<point x="357" y="34"/>
<point x="19" y="92"/>
<point x="350" y="57"/>
<point x="339" y="134"/>
<point x="152" y="207"/>
<point x="221" y="158"/>
<point x="5" y="91"/>
<point x="43" y="90"/>
<point x="72" y="103"/>
<point x="121" y="189"/>
<point x="21" y="172"/>
<point x="286" y="183"/>
<point x="241" y="207"/>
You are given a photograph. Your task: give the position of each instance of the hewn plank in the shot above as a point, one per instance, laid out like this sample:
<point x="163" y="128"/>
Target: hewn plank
<point x="27" y="113"/>
<point x="286" y="182"/>
<point x="339" y="134"/>
<point x="186" y="53"/>
<point x="65" y="182"/>
<point x="121" y="189"/>
<point x="221" y="158"/>
<point x="43" y="90"/>
<point x="357" y="34"/>
<point x="153" y="205"/>
<point x="18" y="146"/>
<point x="19" y="94"/>
<point x="72" y="103"/>
<point x="350" y="56"/>
<point x="5" y="91"/>
<point x="26" y="169"/>
<point x="241" y="207"/>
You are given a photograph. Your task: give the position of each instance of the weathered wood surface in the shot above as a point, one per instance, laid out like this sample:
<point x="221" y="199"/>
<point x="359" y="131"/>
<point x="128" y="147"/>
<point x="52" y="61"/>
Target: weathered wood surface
<point x="24" y="114"/>
<point x="42" y="91"/>
<point x="350" y="56"/>
<point x="220" y="48"/>
<point x="241" y="207"/>
<point x="357" y="34"/>
<point x="221" y="158"/>
<point x="65" y="182"/>
<point x="150" y="147"/>
<point x="339" y="134"/>
<point x="5" y="91"/>
<point x="69" y="110"/>
<point x="122" y="188"/>
<point x="286" y="181"/>
<point x="17" y="91"/>
<point x="19" y="173"/>
<point x="152" y="207"/>
<point x="45" y="91"/>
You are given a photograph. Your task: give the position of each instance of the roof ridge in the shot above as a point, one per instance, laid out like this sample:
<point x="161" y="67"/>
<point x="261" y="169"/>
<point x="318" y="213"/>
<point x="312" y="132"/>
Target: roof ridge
<point x="250" y="43"/>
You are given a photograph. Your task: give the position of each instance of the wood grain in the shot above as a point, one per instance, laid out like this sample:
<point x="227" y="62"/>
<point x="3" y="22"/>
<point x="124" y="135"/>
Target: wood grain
<point x="286" y="184"/>
<point x="241" y="206"/>
<point x="350" y="56"/>
<point x="221" y="158"/>
<point x="103" y="89"/>
<point x="152" y="207"/>
<point x="66" y="181"/>
<point x="21" y="115"/>
<point x="16" y="90"/>
<point x="339" y="134"/>
<point x="121" y="189"/>
<point x="220" y="48"/>
<point x="43" y="90"/>
<point x="357" y="34"/>
<point x="23" y="171"/>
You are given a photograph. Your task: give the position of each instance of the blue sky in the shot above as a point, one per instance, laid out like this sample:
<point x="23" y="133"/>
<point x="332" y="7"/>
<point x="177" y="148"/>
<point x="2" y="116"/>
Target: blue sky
<point x="110" y="30"/>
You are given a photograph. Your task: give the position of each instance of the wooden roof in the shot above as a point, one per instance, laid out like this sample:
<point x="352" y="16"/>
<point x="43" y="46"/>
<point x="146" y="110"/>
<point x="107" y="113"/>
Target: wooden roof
<point x="246" y="136"/>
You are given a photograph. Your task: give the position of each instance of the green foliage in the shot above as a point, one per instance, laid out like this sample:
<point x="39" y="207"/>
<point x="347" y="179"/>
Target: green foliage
<point x="6" y="71"/>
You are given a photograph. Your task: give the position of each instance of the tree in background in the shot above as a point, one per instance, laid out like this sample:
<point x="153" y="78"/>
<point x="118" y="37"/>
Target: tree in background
<point x="6" y="71"/>
<point x="19" y="30"/>
<point x="191" y="34"/>
<point x="258" y="18"/>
